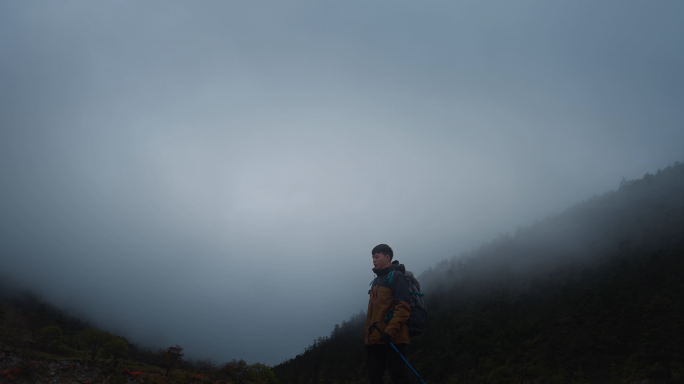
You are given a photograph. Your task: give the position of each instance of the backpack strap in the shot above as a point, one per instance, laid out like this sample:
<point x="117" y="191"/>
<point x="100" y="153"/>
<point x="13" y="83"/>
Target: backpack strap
<point x="389" y="316"/>
<point x="390" y="278"/>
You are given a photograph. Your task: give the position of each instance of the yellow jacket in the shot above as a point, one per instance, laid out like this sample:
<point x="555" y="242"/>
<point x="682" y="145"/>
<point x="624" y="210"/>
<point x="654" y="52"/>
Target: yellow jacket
<point x="388" y="305"/>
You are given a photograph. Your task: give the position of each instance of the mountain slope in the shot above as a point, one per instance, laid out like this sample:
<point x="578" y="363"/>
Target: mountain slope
<point x="590" y="295"/>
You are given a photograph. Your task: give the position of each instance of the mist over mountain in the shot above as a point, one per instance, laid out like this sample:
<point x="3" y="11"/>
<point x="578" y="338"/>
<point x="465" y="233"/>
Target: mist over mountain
<point x="593" y="294"/>
<point x="200" y="173"/>
<point x="644" y="214"/>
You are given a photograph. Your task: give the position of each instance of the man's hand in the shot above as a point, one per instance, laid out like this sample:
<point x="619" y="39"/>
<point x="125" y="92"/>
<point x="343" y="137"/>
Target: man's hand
<point x="384" y="336"/>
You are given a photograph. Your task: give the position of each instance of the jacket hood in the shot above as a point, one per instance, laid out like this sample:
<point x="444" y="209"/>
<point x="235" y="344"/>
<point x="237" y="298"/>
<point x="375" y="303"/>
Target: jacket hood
<point x="394" y="267"/>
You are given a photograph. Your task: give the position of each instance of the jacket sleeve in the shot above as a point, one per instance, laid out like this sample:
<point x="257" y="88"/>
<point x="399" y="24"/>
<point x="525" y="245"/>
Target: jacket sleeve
<point x="402" y="308"/>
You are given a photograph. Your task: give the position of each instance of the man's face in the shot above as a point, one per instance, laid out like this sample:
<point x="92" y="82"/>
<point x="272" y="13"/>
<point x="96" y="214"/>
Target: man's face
<point x="380" y="260"/>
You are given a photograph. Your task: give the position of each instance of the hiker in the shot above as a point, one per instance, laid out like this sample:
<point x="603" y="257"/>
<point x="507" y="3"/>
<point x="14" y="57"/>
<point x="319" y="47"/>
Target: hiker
<point x="388" y="311"/>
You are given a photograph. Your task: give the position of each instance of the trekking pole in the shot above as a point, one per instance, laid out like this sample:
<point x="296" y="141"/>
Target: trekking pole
<point x="374" y="326"/>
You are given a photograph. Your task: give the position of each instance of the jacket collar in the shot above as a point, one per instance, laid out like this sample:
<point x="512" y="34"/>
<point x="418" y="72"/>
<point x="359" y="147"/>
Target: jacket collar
<point x="394" y="267"/>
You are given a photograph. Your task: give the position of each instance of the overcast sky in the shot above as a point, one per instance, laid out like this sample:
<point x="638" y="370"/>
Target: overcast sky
<point x="214" y="174"/>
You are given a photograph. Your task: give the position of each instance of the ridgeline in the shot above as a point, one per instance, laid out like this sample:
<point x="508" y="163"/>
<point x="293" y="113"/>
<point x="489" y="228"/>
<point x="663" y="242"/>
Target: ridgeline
<point x="591" y="295"/>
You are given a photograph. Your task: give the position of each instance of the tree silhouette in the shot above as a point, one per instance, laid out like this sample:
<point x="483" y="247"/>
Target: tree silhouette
<point x="237" y="370"/>
<point x="115" y="349"/>
<point x="94" y="339"/>
<point x="172" y="357"/>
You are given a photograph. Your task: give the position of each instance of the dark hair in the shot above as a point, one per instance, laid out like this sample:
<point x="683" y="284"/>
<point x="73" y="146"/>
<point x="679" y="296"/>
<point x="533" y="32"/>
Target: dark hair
<point x="384" y="249"/>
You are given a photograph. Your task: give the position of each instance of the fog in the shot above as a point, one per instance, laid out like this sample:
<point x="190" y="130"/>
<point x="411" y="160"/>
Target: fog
<point x="215" y="174"/>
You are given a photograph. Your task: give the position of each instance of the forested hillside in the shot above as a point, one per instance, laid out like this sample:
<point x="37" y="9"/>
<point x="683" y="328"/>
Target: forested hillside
<point x="593" y="294"/>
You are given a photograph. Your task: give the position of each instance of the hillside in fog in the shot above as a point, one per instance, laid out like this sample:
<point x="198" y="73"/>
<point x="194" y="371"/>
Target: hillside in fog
<point x="593" y="294"/>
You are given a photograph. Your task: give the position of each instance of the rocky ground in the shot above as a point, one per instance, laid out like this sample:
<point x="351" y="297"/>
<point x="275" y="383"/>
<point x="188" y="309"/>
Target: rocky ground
<point x="22" y="368"/>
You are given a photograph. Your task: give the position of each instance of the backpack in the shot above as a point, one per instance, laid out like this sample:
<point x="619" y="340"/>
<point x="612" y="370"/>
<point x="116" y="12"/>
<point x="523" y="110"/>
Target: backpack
<point x="417" y="322"/>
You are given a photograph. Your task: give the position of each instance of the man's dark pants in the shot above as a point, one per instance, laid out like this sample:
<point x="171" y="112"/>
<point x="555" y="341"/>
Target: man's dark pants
<point x="383" y="356"/>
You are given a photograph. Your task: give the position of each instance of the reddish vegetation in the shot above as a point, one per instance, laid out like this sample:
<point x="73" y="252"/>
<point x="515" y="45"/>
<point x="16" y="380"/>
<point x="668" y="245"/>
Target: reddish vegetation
<point x="135" y="374"/>
<point x="8" y="373"/>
